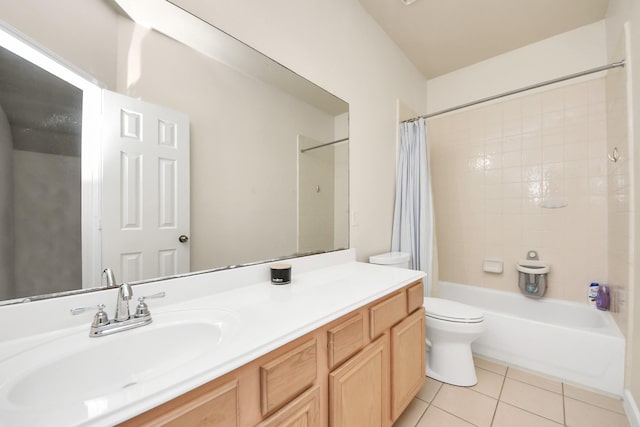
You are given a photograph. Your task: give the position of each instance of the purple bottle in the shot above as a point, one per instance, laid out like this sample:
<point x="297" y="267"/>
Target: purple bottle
<point x="603" y="298"/>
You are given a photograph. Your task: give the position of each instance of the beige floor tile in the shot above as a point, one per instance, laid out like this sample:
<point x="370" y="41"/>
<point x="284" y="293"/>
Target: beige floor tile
<point x="435" y="417"/>
<point x="509" y="416"/>
<point x="412" y="414"/>
<point x="489" y="383"/>
<point x="490" y="365"/>
<point x="429" y="390"/>
<point x="467" y="404"/>
<point x="536" y="380"/>
<point x="606" y="402"/>
<point x="581" y="414"/>
<point x="533" y="399"/>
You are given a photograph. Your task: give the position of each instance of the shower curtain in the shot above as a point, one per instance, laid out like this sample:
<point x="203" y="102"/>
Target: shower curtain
<point x="413" y="216"/>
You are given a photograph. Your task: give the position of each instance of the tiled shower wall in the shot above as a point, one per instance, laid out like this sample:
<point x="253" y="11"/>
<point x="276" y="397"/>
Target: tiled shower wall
<point x="619" y="195"/>
<point x="492" y="166"/>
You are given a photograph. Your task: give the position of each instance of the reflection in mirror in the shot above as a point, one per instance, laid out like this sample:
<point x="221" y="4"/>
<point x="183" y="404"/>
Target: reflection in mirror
<point x="261" y="182"/>
<point x="40" y="148"/>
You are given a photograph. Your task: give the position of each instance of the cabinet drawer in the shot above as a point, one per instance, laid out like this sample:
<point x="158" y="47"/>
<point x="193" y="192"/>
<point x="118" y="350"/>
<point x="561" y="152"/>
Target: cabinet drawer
<point x="345" y="340"/>
<point x="303" y="411"/>
<point x="287" y="376"/>
<point x="209" y="405"/>
<point x="415" y="297"/>
<point x="387" y="313"/>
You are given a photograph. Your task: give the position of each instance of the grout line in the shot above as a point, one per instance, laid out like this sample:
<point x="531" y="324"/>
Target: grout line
<point x="592" y="403"/>
<point x="533" y="413"/>
<point x="454" y="415"/>
<point x="423" y="414"/>
<point x="526" y="410"/>
<point x="561" y="393"/>
<point x="564" y="409"/>
<point x="504" y="379"/>
<point x="595" y="406"/>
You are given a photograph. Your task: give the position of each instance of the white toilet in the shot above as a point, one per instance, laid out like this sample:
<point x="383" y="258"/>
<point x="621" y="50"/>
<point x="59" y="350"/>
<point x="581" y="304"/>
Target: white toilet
<point x="451" y="327"/>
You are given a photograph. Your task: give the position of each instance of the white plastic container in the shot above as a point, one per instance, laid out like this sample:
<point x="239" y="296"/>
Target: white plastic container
<point x="593" y="293"/>
<point x="391" y="259"/>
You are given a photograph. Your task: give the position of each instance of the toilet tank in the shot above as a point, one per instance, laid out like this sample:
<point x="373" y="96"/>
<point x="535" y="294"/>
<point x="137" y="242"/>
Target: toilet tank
<point x="391" y="259"/>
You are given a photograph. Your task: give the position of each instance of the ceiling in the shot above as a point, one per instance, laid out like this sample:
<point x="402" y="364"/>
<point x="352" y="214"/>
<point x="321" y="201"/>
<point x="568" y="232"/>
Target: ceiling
<point x="44" y="112"/>
<point x="440" y="36"/>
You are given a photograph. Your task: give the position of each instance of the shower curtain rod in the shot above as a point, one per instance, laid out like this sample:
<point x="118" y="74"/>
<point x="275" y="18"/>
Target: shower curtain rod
<point x="323" y="145"/>
<point x="523" y="89"/>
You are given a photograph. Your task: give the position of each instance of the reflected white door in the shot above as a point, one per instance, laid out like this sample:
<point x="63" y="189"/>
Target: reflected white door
<point x="145" y="212"/>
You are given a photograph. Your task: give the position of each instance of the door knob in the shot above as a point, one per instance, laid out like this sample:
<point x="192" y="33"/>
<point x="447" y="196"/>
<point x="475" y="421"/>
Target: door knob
<point x="183" y="239"/>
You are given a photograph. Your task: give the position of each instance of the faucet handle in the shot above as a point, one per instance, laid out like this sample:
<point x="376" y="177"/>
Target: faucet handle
<point x="100" y="319"/>
<point x="143" y="309"/>
<point x="79" y="310"/>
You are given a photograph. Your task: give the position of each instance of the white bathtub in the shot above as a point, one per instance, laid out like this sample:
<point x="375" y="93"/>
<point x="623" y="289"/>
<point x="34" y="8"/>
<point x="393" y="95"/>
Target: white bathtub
<point x="574" y="342"/>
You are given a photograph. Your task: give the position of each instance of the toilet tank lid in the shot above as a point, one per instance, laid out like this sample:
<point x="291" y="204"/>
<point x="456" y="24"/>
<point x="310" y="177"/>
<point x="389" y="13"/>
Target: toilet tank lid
<point x="390" y="258"/>
<point x="451" y="310"/>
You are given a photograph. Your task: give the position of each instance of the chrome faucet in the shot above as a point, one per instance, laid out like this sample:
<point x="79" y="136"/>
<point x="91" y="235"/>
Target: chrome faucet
<point x="122" y="320"/>
<point x="122" y="303"/>
<point x="111" y="279"/>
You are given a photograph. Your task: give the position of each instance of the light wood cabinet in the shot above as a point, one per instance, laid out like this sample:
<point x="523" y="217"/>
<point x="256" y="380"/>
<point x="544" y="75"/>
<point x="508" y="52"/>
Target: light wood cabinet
<point x="360" y="370"/>
<point x="301" y="412"/>
<point x="415" y="297"/>
<point x="359" y="389"/>
<point x="407" y="362"/>
<point x="387" y="313"/>
<point x="345" y="340"/>
<point x="284" y="378"/>
<point x="207" y="406"/>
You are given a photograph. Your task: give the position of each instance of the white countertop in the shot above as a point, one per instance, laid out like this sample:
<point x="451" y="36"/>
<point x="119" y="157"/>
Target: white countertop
<point x="266" y="317"/>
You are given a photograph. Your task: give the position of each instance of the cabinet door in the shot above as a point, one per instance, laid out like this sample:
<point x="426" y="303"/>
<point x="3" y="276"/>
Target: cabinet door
<point x="407" y="361"/>
<point x="359" y="389"/>
<point x="205" y="407"/>
<point x="304" y="411"/>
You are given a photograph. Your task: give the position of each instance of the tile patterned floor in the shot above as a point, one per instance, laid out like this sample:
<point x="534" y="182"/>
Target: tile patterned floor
<point x="508" y="397"/>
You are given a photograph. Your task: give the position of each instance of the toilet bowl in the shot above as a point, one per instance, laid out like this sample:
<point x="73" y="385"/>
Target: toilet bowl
<point x="451" y="327"/>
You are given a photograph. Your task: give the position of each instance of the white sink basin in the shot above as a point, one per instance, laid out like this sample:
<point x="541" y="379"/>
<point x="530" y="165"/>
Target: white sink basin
<point x="79" y="374"/>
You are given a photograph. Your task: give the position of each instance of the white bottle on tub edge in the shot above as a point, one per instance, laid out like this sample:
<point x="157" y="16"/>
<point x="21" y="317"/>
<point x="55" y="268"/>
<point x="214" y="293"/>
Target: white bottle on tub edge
<point x="593" y="293"/>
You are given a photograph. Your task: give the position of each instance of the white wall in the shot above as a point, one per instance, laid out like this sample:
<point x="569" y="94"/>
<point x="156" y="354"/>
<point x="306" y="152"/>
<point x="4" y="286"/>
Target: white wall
<point x="243" y="170"/>
<point x="337" y="45"/>
<point x="564" y="54"/>
<point x="82" y="32"/>
<point x="333" y="43"/>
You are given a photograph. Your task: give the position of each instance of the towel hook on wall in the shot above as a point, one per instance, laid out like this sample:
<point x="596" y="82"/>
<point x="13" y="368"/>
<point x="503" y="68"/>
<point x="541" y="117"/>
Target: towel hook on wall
<point x="614" y="156"/>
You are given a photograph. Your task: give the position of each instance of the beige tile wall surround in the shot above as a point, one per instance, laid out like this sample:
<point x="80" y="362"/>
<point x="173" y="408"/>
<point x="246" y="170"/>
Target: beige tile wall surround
<point x="491" y="168"/>
<point x="619" y="192"/>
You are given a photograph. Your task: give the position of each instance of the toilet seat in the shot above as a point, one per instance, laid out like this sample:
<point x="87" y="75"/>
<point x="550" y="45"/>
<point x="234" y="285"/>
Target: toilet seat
<point x="451" y="311"/>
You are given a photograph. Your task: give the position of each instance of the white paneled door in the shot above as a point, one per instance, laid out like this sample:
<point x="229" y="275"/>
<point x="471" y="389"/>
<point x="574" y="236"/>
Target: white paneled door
<point x="145" y="211"/>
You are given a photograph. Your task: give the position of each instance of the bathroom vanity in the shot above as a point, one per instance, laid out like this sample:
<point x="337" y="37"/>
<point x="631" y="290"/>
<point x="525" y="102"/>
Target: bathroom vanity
<point x="362" y="369"/>
<point x="342" y="345"/>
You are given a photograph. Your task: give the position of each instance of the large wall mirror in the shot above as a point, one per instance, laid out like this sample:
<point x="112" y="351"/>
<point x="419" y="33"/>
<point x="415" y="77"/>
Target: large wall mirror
<point x="206" y="154"/>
